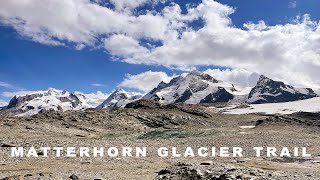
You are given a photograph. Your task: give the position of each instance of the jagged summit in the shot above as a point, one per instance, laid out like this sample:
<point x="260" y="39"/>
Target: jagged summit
<point x="192" y="88"/>
<point x="270" y="91"/>
<point x="203" y="76"/>
<point x="119" y="98"/>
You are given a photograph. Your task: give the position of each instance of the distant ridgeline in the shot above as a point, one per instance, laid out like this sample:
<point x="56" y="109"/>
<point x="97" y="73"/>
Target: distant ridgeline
<point x="192" y="88"/>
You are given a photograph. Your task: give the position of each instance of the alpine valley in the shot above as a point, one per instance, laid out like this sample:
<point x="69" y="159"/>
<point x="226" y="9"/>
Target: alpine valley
<point x="192" y="110"/>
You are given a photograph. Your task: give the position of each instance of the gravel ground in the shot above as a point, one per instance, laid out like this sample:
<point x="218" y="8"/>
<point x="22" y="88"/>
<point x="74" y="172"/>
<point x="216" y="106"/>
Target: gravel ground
<point x="175" y="126"/>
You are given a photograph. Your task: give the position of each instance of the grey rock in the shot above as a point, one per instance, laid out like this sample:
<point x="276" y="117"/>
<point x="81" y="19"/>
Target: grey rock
<point x="219" y="96"/>
<point x="74" y="177"/>
<point x="270" y="91"/>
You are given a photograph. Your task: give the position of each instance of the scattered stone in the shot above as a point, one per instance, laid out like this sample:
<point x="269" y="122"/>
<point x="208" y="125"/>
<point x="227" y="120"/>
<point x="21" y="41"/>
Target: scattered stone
<point x="183" y="164"/>
<point x="7" y="145"/>
<point x="205" y="163"/>
<point x="78" y="135"/>
<point x="214" y="172"/>
<point x="14" y="178"/>
<point x="241" y="161"/>
<point x="87" y="162"/>
<point x="74" y="177"/>
<point x="164" y="171"/>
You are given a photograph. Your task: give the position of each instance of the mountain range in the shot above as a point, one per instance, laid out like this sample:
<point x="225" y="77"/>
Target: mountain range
<point x="52" y="100"/>
<point x="192" y="88"/>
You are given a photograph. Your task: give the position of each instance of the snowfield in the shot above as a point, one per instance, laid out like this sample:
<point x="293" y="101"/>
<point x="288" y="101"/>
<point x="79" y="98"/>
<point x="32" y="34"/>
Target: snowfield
<point x="308" y="105"/>
<point x="58" y="100"/>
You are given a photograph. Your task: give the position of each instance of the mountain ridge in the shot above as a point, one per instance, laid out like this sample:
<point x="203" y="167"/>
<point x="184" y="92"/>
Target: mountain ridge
<point x="52" y="100"/>
<point x="119" y="98"/>
<point x="270" y="91"/>
<point x="190" y="88"/>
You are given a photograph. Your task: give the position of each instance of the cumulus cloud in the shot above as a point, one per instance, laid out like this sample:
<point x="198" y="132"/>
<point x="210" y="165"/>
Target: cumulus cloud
<point x="122" y="5"/>
<point x="82" y="22"/>
<point x="288" y="52"/>
<point x="236" y="76"/>
<point x="145" y="81"/>
<point x="124" y="46"/>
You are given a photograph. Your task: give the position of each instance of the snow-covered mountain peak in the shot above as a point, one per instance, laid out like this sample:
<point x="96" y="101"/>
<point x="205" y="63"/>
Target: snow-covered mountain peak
<point x="119" y="90"/>
<point x="202" y="76"/>
<point x="192" y="88"/>
<point x="270" y="91"/>
<point x="52" y="100"/>
<point x="119" y="94"/>
<point x="119" y="98"/>
<point x="264" y="79"/>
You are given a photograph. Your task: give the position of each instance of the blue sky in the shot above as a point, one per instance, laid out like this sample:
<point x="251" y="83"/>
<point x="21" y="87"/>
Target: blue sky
<point x="26" y="64"/>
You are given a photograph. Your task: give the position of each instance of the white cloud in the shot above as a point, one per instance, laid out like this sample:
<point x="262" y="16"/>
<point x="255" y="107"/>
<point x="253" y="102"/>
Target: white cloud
<point x="124" y="46"/>
<point x="78" y="21"/>
<point x="6" y="85"/>
<point x="288" y="52"/>
<point x="236" y="76"/>
<point x="129" y="5"/>
<point x="3" y="103"/>
<point x="98" y="85"/>
<point x="145" y="81"/>
<point x="95" y="99"/>
<point x="18" y="93"/>
<point x="293" y="4"/>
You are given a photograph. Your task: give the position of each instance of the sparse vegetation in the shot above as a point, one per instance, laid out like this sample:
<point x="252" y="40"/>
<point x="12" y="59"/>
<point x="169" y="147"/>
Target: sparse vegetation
<point x="167" y="134"/>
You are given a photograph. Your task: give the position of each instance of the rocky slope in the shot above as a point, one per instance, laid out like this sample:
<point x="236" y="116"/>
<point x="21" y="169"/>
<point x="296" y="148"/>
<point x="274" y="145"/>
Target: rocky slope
<point x="193" y="88"/>
<point x="270" y="91"/>
<point x="52" y="100"/>
<point x="119" y="98"/>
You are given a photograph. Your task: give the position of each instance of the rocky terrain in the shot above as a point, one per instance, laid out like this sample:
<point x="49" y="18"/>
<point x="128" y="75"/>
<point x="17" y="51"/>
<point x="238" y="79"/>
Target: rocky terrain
<point x="270" y="91"/>
<point x="152" y="125"/>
